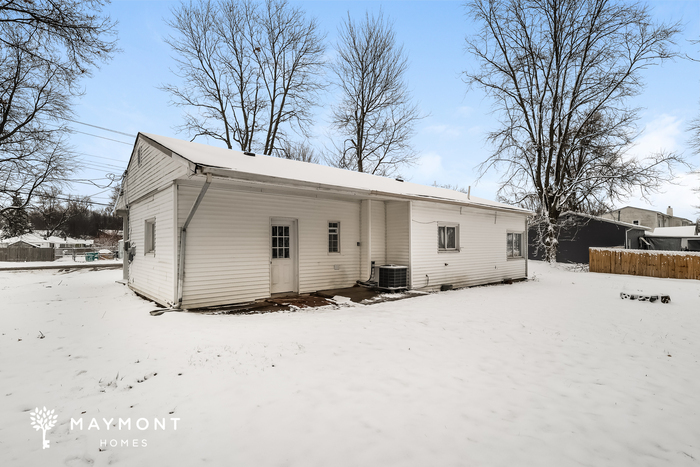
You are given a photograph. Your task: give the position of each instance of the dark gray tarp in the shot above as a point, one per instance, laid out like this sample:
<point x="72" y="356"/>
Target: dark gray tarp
<point x="693" y="245"/>
<point x="664" y="243"/>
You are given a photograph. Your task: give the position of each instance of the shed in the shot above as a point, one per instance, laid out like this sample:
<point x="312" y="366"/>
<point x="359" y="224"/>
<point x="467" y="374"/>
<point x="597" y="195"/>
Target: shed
<point x="207" y="226"/>
<point x="578" y="232"/>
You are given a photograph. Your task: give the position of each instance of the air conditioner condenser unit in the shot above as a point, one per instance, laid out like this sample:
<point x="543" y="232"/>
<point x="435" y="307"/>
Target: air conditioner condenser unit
<point x="392" y="277"/>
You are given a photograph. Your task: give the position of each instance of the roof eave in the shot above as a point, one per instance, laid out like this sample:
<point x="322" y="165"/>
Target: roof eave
<point x="230" y="174"/>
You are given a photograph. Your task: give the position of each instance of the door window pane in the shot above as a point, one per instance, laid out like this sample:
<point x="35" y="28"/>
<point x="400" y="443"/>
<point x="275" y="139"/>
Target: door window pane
<point x="280" y="241"/>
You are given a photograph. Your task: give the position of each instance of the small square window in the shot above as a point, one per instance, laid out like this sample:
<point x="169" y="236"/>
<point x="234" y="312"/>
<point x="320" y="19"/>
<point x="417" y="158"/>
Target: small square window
<point x="448" y="237"/>
<point x="514" y="242"/>
<point x="150" y="236"/>
<point x="334" y="237"/>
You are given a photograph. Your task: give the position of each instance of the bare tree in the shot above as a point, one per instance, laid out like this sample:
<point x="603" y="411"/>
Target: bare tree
<point x="299" y="151"/>
<point x="46" y="47"/>
<point x="53" y="211"/>
<point x="251" y="71"/>
<point x="375" y="116"/>
<point x="694" y="130"/>
<point x="559" y="73"/>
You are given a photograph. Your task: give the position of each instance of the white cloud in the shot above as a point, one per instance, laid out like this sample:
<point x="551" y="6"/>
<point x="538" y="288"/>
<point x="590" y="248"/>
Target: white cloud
<point x="429" y="165"/>
<point x="448" y="131"/>
<point x="661" y="134"/>
<point x="680" y="196"/>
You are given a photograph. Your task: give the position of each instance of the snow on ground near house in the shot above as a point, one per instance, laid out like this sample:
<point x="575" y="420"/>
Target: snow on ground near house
<point x="66" y="261"/>
<point x="554" y="371"/>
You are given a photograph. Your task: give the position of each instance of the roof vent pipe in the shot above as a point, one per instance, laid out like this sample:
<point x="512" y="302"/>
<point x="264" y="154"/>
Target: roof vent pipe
<point x="669" y="211"/>
<point x="251" y="154"/>
<point x="399" y="179"/>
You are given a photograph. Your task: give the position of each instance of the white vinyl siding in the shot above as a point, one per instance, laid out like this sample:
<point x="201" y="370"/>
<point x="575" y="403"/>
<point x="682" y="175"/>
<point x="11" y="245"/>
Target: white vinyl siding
<point x="378" y="232"/>
<point x="397" y="233"/>
<point x="228" y="256"/>
<point x="482" y="256"/>
<point x="149" y="274"/>
<point x="155" y="171"/>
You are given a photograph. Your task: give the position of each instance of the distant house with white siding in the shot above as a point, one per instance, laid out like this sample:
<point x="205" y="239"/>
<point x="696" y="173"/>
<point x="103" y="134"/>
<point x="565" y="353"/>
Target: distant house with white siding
<point x="207" y="226"/>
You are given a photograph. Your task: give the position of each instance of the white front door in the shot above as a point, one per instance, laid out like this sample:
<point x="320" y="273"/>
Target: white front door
<point x="283" y="256"/>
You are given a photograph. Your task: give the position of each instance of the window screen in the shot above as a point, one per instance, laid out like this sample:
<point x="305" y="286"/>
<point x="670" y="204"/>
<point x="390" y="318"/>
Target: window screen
<point x="150" y="236"/>
<point x="447" y="237"/>
<point x="514" y="243"/>
<point x="334" y="237"/>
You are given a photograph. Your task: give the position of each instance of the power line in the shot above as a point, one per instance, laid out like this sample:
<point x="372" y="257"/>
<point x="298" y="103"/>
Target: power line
<point x="73" y="199"/>
<point x="100" y="157"/>
<point x="100" y="128"/>
<point x="103" y="137"/>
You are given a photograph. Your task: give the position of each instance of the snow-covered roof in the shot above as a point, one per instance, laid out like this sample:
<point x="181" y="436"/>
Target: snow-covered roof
<point x="684" y="231"/>
<point x="603" y="219"/>
<point x="37" y="239"/>
<point x="236" y="165"/>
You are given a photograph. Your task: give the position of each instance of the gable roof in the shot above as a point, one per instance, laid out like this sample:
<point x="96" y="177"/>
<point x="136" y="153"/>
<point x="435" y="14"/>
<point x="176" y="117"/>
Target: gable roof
<point x="235" y="164"/>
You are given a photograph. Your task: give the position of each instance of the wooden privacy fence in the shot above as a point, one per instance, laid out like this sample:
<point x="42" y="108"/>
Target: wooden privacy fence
<point x="26" y="254"/>
<point x="652" y="263"/>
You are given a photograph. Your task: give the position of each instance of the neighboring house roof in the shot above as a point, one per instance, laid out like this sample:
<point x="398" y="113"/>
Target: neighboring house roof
<point x="648" y="210"/>
<point x="37" y="239"/>
<point x="684" y="231"/>
<point x="235" y="164"/>
<point x="603" y="219"/>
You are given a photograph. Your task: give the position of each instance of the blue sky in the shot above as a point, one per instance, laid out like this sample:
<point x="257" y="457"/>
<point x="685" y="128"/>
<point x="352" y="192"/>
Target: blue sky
<point x="123" y="95"/>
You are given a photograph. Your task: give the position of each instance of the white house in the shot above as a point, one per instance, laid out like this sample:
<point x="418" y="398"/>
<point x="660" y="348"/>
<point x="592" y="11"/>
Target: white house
<point x="206" y="226"/>
<point x="38" y="239"/>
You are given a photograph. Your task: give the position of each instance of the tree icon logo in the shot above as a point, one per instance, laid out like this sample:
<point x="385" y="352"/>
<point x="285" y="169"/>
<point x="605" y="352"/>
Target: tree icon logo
<point x="43" y="420"/>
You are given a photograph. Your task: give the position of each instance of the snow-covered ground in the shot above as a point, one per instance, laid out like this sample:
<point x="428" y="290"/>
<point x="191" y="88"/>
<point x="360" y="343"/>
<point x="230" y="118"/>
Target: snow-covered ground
<point x="66" y="261"/>
<point x="555" y="371"/>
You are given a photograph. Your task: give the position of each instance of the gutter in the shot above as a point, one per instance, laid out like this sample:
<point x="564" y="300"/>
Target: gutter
<point x="183" y="242"/>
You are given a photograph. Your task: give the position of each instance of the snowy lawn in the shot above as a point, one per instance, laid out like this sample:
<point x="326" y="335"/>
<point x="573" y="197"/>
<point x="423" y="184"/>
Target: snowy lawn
<point x="556" y="371"/>
<point x="65" y="261"/>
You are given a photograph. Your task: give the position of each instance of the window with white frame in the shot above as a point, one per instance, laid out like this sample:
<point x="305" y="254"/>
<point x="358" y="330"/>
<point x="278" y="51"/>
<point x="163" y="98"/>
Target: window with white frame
<point x="448" y="237"/>
<point x="150" y="236"/>
<point x="514" y="246"/>
<point x="333" y="237"/>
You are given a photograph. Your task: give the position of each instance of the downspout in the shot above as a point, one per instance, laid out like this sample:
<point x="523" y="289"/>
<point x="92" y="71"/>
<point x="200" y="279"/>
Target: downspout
<point x="183" y="242"/>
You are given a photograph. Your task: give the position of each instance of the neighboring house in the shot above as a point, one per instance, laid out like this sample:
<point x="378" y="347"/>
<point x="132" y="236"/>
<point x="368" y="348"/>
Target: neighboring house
<point x="672" y="239"/>
<point x="207" y="226"/>
<point x="578" y="232"/>
<point x="37" y="239"/>
<point x="647" y="217"/>
<point x="20" y="244"/>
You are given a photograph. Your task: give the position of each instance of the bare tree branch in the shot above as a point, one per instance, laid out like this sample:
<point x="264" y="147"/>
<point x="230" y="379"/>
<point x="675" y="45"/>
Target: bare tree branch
<point x="46" y="47"/>
<point x="375" y="115"/>
<point x="251" y="71"/>
<point x="560" y="73"/>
